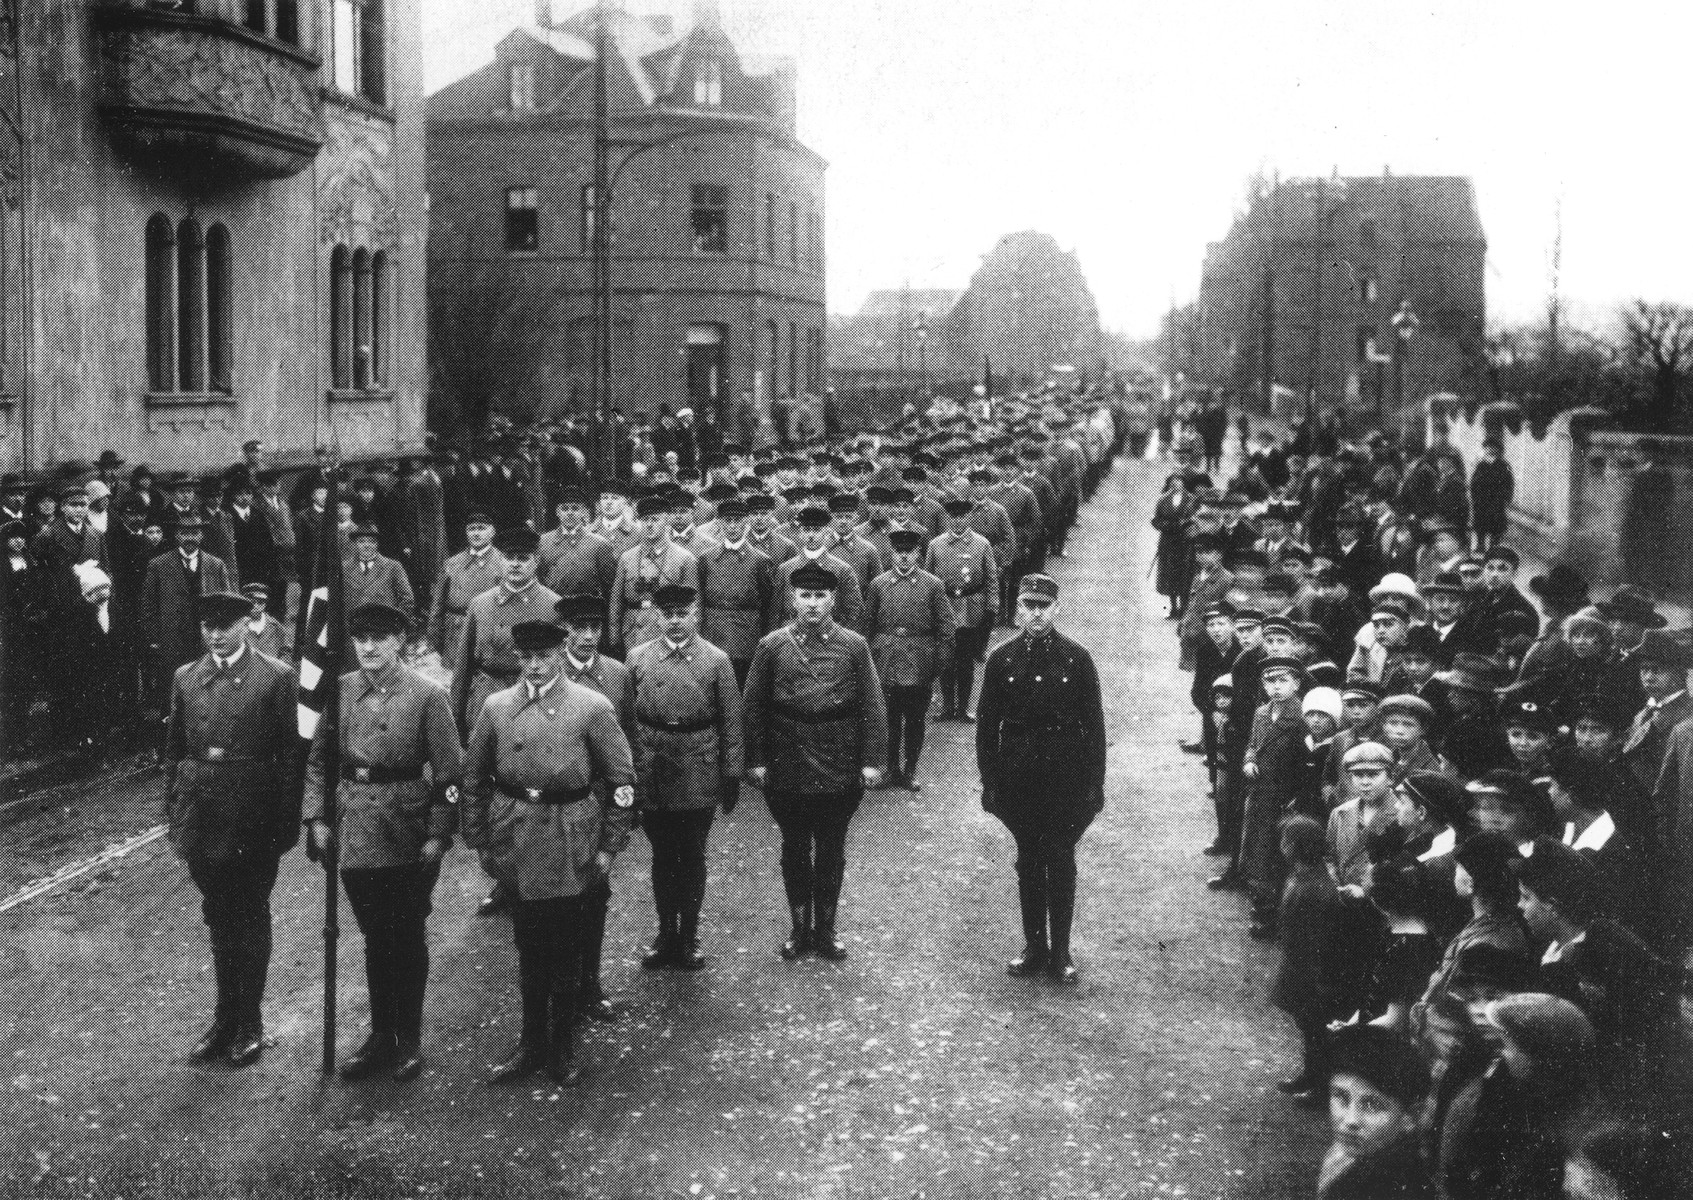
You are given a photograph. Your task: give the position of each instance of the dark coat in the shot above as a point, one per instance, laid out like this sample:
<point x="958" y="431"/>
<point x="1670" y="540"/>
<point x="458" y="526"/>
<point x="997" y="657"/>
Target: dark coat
<point x="1492" y="486"/>
<point x="1309" y="924"/>
<point x="170" y="628"/>
<point x="1040" y="731"/>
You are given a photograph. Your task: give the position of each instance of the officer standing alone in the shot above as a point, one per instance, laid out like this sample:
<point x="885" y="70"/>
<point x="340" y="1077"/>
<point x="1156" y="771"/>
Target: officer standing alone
<point x="1040" y="747"/>
<point x="393" y="824"/>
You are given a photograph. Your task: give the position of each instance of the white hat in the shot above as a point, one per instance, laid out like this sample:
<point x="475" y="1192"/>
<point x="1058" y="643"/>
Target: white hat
<point x="1323" y="700"/>
<point x="89" y="576"/>
<point x="97" y="490"/>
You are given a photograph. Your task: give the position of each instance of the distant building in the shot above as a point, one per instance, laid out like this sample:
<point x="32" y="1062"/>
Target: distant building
<point x="1335" y="259"/>
<point x="211" y="228"/>
<point x="717" y="266"/>
<point x="878" y="346"/>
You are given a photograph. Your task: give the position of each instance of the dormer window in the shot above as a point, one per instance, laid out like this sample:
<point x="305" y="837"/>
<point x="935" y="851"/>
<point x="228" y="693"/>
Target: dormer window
<point x="522" y="86"/>
<point x="708" y="83"/>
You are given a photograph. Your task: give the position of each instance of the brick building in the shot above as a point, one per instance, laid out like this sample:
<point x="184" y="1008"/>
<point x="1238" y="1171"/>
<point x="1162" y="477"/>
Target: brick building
<point x="717" y="256"/>
<point x="1337" y="258"/>
<point x="211" y="228"/>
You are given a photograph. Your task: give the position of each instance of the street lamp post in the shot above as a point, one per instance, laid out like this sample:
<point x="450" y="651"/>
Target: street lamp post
<point x="922" y="327"/>
<point x="1405" y="325"/>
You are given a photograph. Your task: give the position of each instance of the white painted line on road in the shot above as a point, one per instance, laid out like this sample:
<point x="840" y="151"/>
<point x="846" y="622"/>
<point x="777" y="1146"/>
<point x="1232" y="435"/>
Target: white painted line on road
<point x="78" y="869"/>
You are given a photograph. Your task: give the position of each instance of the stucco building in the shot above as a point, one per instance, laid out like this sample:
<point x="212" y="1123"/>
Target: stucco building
<point x="213" y="229"/>
<point x="717" y="248"/>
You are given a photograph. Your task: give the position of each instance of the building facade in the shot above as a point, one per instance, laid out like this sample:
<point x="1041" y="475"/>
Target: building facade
<point x="213" y="229"/>
<point x="717" y="249"/>
<point x="1364" y="292"/>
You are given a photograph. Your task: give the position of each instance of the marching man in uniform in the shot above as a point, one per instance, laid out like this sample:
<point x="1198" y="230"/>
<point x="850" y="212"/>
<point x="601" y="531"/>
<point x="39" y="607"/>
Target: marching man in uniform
<point x="233" y="809"/>
<point x="911" y="626"/>
<point x="392" y="825"/>
<point x="816" y="737"/>
<point x="530" y="810"/>
<point x="1040" y="747"/>
<point x="687" y="762"/>
<point x="464" y="576"/>
<point x="964" y="562"/>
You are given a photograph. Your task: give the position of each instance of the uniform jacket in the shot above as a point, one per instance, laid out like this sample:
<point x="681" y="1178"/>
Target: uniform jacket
<point x="911" y="626"/>
<point x="969" y="569"/>
<point x="640" y="573"/>
<point x="168" y="619"/>
<point x="580" y="565"/>
<point x="231" y="793"/>
<point x="566" y="738"/>
<point x="485" y="660"/>
<point x="862" y="556"/>
<point x="464" y="577"/>
<point x="399" y="722"/>
<point x="774" y="546"/>
<point x="990" y="519"/>
<point x="738" y="599"/>
<point x="1024" y="510"/>
<point x="384" y="582"/>
<point x="687" y="724"/>
<point x="1040" y="731"/>
<point x="813" y="711"/>
<point x="849" y="598"/>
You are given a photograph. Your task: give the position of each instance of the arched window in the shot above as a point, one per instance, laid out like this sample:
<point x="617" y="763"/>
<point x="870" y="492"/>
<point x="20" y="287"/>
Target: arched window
<point x="381" y="284"/>
<point x="161" y="304"/>
<point x="362" y="354"/>
<point x="190" y="307"/>
<point x="340" y="318"/>
<point x="219" y="342"/>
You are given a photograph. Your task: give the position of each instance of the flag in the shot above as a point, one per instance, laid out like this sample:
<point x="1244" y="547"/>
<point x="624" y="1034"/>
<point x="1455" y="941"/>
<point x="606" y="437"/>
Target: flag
<point x="314" y="657"/>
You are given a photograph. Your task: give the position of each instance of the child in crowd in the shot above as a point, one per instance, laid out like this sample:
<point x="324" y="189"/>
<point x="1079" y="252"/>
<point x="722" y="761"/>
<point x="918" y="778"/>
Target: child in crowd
<point x="1321" y="708"/>
<point x="1271" y="771"/>
<point x="1405" y="721"/>
<point x="1308" y="924"/>
<point x="1507" y="802"/>
<point x="1377" y="1085"/>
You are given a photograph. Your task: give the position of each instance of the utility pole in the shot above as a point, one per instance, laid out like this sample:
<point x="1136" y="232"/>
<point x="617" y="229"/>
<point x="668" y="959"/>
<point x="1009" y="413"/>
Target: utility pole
<point x="1267" y="336"/>
<point x="1315" y="349"/>
<point x="605" y="447"/>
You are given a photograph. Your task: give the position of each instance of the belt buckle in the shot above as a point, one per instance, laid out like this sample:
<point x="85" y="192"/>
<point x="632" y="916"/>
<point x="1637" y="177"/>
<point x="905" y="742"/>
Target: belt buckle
<point x="534" y="794"/>
<point x="361" y="774"/>
<point x="214" y="753"/>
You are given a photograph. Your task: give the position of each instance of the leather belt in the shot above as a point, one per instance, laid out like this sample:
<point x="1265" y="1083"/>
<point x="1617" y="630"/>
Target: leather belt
<point x="555" y="796"/>
<point x="973" y="589"/>
<point x="678" y="726"/>
<point x="364" y="774"/>
<point x="839" y="712"/>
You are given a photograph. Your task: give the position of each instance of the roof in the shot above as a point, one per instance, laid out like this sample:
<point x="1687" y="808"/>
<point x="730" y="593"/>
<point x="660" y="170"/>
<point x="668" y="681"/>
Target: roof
<point x="1430" y="207"/>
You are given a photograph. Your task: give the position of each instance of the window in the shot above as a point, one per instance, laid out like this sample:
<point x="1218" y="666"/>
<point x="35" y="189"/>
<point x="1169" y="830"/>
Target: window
<point x="357" y="65"/>
<point x="340" y="318"/>
<point x="793" y="231"/>
<point x="360" y="295"/>
<point x="770" y="225"/>
<point x="288" y="21"/>
<point x="189" y="284"/>
<point x="381" y="285"/>
<point x="774" y="332"/>
<point x="710" y="219"/>
<point x="793" y="357"/>
<point x="590" y="215"/>
<point x="522" y="86"/>
<point x="279" y="19"/>
<point x="361" y="318"/>
<point x="256" y="17"/>
<point x="708" y="82"/>
<point x="523" y="220"/>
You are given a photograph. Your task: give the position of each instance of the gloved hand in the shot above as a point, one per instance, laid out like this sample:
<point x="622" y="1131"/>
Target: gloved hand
<point x="729" y="794"/>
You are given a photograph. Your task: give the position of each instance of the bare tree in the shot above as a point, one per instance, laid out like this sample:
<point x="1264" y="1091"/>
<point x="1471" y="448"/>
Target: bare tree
<point x="1658" y="347"/>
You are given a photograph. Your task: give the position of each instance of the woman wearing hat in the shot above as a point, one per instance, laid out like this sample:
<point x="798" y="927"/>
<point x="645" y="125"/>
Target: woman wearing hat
<point x="1170" y="518"/>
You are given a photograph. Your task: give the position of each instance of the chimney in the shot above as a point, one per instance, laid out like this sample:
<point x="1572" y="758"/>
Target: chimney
<point x="544" y="13"/>
<point x="707" y="16"/>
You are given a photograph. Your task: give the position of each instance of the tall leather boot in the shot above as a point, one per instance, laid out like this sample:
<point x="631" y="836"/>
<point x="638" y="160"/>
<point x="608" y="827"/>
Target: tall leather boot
<point x="590" y="993"/>
<point x="1031" y="902"/>
<point x="215" y="1041"/>
<point x="252" y="966"/>
<point x="1062" y="904"/>
<point x="799" y="941"/>
<point x="530" y="1053"/>
<point x="688" y="955"/>
<point x="561" y="1049"/>
<point x="823" y="940"/>
<point x="662" y="953"/>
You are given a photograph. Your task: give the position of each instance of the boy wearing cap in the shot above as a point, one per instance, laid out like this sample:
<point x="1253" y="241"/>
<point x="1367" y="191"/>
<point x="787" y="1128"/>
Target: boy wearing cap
<point x="1377" y="1085"/>
<point x="688" y="752"/>
<point x="1356" y="821"/>
<point x="392" y="826"/>
<point x="911" y="626"/>
<point x="1040" y="748"/>
<point x="964" y="562"/>
<point x="233" y="808"/>
<point x="641" y="571"/>
<point x="1404" y="721"/>
<point x="575" y="560"/>
<point x="531" y="811"/>
<point x="1271" y="770"/>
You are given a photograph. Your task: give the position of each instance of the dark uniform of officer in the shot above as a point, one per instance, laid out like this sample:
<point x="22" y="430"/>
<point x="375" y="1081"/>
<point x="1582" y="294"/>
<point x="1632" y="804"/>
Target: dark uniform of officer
<point x="233" y="809"/>
<point x="816" y="733"/>
<point x="1040" y="747"/>
<point x="392" y="825"/>
<point x="910" y="623"/>
<point x="529" y="808"/>
<point x="687" y="762"/>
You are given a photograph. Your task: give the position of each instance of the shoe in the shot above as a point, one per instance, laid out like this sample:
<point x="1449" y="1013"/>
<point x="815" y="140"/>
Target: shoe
<point x="524" y="1060"/>
<point x="911" y="785"/>
<point x="1031" y="962"/>
<point x="408" y="1064"/>
<point x="688" y="956"/>
<point x="214" y="1043"/>
<point x="1061" y="969"/>
<point x="828" y="945"/>
<point x="496" y="901"/>
<point x="1214" y="849"/>
<point x="660" y="955"/>
<point x="368" y="1059"/>
<point x="1228" y="881"/>
<point x="247" y="1047"/>
<point x="561" y="1057"/>
<point x="1261" y="930"/>
<point x="799" y="941"/>
<point x="599" y="1009"/>
<point x="1192" y="747"/>
<point x="967" y="718"/>
<point x="1292" y="1087"/>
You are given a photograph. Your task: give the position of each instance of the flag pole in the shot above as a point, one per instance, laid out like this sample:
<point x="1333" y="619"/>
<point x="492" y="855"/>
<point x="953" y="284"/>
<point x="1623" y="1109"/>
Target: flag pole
<point x="329" y="565"/>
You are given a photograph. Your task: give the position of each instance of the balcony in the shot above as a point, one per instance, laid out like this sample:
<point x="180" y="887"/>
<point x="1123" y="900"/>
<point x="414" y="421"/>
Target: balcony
<point x="185" y="91"/>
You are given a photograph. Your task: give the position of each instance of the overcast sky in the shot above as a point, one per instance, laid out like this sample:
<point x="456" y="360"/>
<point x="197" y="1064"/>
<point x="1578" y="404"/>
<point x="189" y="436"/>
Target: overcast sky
<point x="1127" y="130"/>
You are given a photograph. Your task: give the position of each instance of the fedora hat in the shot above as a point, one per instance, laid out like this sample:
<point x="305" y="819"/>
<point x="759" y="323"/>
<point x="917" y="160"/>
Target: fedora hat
<point x="1634" y="605"/>
<point x="1662" y="648"/>
<point x="1562" y="584"/>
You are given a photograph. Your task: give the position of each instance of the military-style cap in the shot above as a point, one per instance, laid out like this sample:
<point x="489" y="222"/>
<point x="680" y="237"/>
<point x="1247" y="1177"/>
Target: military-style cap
<point x="958" y="507"/>
<point x="377" y="620"/>
<point x="1515" y="789"/>
<point x="1220" y="610"/>
<point x="809" y="577"/>
<point x="843" y="503"/>
<point x="580" y="606"/>
<point x="1281" y="625"/>
<point x="732" y="507"/>
<point x="651" y="506"/>
<point x="1441" y="796"/>
<point x="1284" y="663"/>
<point x="363" y="531"/>
<point x="1037" y="589"/>
<point x="717" y="493"/>
<point x="256" y="591"/>
<point x="479" y="518"/>
<point x="517" y="540"/>
<point x="1499" y="552"/>
<point x="1529" y="714"/>
<point x="1369" y="755"/>
<point x="901" y="495"/>
<point x="1249" y="616"/>
<point x="222" y="608"/>
<point x="615" y="487"/>
<point x="981" y="475"/>
<point x="878" y="494"/>
<point x="812" y="516"/>
<point x="674" y="595"/>
<point x="571" y="495"/>
<point x="530" y="637"/>
<point x="73" y="491"/>
<point x="905" y="540"/>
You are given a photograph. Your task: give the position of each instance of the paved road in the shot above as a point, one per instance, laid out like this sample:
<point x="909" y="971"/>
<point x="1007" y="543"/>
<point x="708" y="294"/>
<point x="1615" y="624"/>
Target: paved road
<point x="915" y="1068"/>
